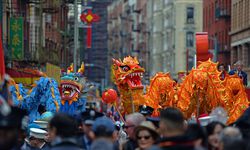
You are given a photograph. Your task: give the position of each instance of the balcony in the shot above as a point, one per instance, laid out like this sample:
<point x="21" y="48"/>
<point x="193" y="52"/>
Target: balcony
<point x="51" y="6"/>
<point x="222" y="13"/>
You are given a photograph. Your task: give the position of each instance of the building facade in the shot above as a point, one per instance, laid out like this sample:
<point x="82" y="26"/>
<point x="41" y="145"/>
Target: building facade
<point x="41" y="36"/>
<point x="240" y="33"/>
<point x="128" y="33"/>
<point x="173" y="27"/>
<point x="217" y="22"/>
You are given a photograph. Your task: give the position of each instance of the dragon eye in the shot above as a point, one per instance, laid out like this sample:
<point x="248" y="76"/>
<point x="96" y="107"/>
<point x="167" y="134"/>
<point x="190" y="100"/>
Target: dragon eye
<point x="125" y="68"/>
<point x="76" y="78"/>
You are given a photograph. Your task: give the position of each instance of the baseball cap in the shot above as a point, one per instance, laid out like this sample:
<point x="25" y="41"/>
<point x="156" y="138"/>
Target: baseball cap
<point x="103" y="124"/>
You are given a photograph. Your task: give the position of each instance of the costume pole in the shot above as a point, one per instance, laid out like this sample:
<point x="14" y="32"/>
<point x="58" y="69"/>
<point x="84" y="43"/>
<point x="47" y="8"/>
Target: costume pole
<point x="119" y="114"/>
<point x="75" y="34"/>
<point x="198" y="103"/>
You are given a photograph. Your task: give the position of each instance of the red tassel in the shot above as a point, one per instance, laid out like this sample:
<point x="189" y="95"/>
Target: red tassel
<point x="89" y="37"/>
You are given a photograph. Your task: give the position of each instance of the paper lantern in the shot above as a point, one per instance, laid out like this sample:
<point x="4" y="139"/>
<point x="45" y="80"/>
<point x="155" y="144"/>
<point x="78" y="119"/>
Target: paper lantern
<point x="109" y="96"/>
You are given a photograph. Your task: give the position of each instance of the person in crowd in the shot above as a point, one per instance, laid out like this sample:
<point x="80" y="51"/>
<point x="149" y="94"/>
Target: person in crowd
<point x="238" y="70"/>
<point x="41" y="109"/>
<point x="10" y="124"/>
<point x="132" y="121"/>
<point x="155" y="121"/>
<point x="221" y="68"/>
<point x="62" y="130"/>
<point x="243" y="123"/>
<point x="236" y="144"/>
<point x="103" y="128"/>
<point x="197" y="134"/>
<point x="36" y="140"/>
<point x="172" y="129"/>
<point x="229" y="135"/>
<point x="146" y="110"/>
<point x="88" y="118"/>
<point x="146" y="135"/>
<point x="213" y="130"/>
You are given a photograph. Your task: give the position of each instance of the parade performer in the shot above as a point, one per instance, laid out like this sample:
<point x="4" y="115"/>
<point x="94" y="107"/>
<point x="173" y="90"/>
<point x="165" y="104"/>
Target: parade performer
<point x="72" y="85"/>
<point x="128" y="75"/>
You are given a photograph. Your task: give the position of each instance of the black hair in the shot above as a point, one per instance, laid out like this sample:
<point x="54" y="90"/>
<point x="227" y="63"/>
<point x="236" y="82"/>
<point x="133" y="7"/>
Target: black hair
<point x="102" y="131"/>
<point x="66" y="126"/>
<point x="41" y="109"/>
<point x="195" y="131"/>
<point x="233" y="144"/>
<point x="174" y="116"/>
<point x="211" y="126"/>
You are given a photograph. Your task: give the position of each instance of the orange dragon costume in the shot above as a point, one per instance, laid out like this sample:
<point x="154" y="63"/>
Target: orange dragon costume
<point x="127" y="76"/>
<point x="200" y="92"/>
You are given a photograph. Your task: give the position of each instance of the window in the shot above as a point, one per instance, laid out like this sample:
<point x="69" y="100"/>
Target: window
<point x="190" y="15"/>
<point x="190" y="39"/>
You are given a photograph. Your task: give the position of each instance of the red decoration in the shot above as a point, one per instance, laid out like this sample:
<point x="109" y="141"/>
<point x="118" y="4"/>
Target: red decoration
<point x="202" y="46"/>
<point x="2" y="65"/>
<point x="88" y="17"/>
<point x="109" y="96"/>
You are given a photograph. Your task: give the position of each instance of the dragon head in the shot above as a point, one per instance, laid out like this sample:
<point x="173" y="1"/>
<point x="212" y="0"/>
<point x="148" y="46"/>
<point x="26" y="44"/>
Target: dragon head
<point x="128" y="72"/>
<point x="72" y="83"/>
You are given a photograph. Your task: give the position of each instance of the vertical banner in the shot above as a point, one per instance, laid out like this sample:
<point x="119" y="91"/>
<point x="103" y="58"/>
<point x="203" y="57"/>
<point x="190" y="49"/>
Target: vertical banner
<point x="16" y="38"/>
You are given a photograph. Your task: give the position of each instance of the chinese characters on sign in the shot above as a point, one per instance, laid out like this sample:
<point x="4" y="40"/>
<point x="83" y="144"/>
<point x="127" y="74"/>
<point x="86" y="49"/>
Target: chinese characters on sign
<point x="16" y="37"/>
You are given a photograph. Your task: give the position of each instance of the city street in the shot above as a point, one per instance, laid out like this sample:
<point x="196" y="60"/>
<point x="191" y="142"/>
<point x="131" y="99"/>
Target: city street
<point x="124" y="74"/>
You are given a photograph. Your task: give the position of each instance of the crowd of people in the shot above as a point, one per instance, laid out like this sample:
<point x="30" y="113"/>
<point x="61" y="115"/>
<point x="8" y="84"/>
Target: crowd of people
<point x="93" y="130"/>
<point x="236" y="69"/>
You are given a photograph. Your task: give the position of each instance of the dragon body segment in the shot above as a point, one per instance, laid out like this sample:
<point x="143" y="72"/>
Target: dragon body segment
<point x="202" y="90"/>
<point x="237" y="101"/>
<point x="45" y="92"/>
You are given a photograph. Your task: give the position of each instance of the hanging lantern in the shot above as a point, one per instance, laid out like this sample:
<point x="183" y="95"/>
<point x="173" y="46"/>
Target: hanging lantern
<point x="109" y="96"/>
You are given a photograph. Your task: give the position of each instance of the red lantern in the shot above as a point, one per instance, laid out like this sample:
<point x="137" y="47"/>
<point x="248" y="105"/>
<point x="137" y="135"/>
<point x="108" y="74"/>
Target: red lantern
<point x="109" y="96"/>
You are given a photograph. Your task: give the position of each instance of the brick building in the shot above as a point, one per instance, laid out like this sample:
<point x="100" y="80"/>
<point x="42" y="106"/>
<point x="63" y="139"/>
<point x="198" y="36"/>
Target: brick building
<point x="240" y="33"/>
<point x="216" y="21"/>
<point x="44" y="23"/>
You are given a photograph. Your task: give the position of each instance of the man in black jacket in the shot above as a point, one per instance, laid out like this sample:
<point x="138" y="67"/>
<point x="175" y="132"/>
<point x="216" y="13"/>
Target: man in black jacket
<point x="172" y="128"/>
<point x="62" y="130"/>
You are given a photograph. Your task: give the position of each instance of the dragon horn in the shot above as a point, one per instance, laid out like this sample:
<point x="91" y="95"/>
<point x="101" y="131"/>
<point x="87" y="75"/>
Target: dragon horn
<point x="136" y="60"/>
<point x="81" y="70"/>
<point x="116" y="62"/>
<point x="70" y="68"/>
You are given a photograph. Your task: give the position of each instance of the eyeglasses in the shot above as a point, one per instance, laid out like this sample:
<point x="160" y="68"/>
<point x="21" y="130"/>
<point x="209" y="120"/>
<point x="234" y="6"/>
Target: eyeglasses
<point x="129" y="126"/>
<point x="143" y="137"/>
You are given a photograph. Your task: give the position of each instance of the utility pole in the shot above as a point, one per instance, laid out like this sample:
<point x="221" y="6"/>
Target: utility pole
<point x="40" y="31"/>
<point x="75" y="33"/>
